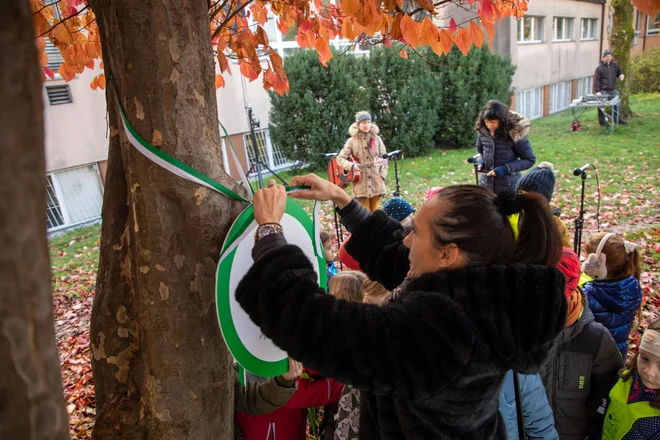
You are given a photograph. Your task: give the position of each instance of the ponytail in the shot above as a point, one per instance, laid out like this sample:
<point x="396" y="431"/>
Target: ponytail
<point x="539" y="239"/>
<point x="477" y="222"/>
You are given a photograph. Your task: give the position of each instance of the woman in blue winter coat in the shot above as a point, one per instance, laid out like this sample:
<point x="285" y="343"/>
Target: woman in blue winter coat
<point x="503" y="149"/>
<point x="615" y="299"/>
<point x="537" y="414"/>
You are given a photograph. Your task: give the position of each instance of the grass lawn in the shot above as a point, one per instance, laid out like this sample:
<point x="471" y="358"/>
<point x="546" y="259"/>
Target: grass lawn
<point x="628" y="164"/>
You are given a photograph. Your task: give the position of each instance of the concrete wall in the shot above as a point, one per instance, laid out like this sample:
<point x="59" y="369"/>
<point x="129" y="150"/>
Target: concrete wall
<point x="75" y="132"/>
<point x="551" y="62"/>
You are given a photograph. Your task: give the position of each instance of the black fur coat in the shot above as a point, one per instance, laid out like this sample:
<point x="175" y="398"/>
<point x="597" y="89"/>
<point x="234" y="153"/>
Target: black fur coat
<point x="430" y="365"/>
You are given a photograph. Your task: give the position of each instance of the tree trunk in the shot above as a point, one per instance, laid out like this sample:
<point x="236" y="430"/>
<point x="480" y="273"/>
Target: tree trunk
<point x="161" y="368"/>
<point x="621" y="39"/>
<point x="31" y="398"/>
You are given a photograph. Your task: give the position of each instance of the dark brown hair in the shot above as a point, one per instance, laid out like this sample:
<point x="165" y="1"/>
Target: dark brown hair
<point x="346" y="286"/>
<point x="476" y="220"/>
<point x="631" y="367"/>
<point x="495" y="110"/>
<point x="620" y="264"/>
<point x="324" y="236"/>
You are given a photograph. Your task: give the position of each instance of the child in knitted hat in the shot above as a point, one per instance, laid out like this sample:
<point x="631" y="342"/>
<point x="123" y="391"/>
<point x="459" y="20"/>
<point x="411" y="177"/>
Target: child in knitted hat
<point x="400" y="210"/>
<point x="541" y="180"/>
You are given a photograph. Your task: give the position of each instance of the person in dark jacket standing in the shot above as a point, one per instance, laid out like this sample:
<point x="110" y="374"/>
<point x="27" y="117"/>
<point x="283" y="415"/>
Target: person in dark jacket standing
<point x="430" y="363"/>
<point x="605" y="84"/>
<point x="583" y="364"/>
<point x="503" y="149"/>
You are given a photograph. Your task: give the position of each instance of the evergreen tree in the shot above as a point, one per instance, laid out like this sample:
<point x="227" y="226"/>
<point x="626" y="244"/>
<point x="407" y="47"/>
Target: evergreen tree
<point x="314" y="117"/>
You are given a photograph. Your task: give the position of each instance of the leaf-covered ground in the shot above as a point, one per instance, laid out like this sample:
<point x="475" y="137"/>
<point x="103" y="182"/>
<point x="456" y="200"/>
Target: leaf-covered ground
<point x="628" y="165"/>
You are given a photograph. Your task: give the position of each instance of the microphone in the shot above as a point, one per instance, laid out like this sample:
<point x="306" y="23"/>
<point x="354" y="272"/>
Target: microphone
<point x="393" y="153"/>
<point x="328" y="155"/>
<point x="474" y="158"/>
<point x="579" y="171"/>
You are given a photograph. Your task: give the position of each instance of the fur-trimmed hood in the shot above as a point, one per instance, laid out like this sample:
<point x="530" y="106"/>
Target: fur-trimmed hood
<point x="353" y="129"/>
<point x="519" y="130"/>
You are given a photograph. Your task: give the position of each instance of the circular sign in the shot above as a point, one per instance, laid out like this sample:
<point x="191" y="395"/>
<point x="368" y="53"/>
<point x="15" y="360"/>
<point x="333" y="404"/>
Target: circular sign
<point x="251" y="349"/>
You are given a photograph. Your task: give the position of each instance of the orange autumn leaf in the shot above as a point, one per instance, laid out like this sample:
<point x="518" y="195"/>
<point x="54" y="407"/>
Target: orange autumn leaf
<point x="262" y="37"/>
<point x="431" y="36"/>
<point x="485" y="11"/>
<point x="248" y="71"/>
<point x="223" y="63"/>
<point x="278" y="64"/>
<point x="411" y="30"/>
<point x="476" y="34"/>
<point x="490" y="28"/>
<point x="396" y="34"/>
<point x="403" y="54"/>
<point x="323" y="48"/>
<point x="463" y="41"/>
<point x="446" y="40"/>
<point x="219" y="81"/>
<point x="350" y="7"/>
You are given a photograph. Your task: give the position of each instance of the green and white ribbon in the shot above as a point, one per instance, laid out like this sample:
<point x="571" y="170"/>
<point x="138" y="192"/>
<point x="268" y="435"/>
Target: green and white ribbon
<point x="173" y="165"/>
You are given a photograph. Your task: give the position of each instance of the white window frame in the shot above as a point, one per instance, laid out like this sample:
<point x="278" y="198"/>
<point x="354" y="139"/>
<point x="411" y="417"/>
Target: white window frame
<point x="269" y="150"/>
<point x="63" y="203"/>
<point x="568" y="25"/>
<point x="638" y="26"/>
<point x="585" y="86"/>
<point x="592" y="29"/>
<point x="652" y="25"/>
<point x="536" y="23"/>
<point x="535" y="107"/>
<point x="560" y="96"/>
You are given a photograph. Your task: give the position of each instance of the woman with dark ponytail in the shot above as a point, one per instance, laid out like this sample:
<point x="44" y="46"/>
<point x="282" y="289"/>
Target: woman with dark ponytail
<point x="469" y="302"/>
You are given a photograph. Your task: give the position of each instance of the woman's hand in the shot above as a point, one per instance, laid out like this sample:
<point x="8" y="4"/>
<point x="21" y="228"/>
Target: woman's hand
<point x="480" y="167"/>
<point x="269" y="204"/>
<point x="295" y="369"/>
<point x="491" y="173"/>
<point x="320" y="189"/>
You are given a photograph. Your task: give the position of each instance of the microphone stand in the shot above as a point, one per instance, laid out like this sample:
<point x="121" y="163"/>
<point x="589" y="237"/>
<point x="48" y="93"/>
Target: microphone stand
<point x="579" y="221"/>
<point x="397" y="191"/>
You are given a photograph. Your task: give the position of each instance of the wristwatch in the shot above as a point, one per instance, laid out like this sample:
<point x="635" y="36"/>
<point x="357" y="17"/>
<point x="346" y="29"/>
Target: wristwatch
<point x="267" y="229"/>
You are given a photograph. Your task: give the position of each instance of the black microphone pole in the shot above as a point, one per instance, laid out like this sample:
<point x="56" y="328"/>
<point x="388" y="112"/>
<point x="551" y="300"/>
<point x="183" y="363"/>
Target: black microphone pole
<point x="579" y="221"/>
<point x="394" y="155"/>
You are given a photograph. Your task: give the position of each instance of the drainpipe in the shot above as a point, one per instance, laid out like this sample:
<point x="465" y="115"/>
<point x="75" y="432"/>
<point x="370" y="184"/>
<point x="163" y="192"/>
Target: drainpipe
<point x="643" y="31"/>
<point x="602" y="30"/>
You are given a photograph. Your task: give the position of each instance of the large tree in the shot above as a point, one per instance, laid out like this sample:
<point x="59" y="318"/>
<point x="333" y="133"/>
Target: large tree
<point x="623" y="34"/>
<point x="161" y="368"/>
<point x="31" y="399"/>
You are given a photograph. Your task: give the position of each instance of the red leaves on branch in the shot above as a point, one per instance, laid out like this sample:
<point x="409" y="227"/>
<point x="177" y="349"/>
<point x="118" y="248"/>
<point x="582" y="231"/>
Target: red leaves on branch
<point x="238" y="31"/>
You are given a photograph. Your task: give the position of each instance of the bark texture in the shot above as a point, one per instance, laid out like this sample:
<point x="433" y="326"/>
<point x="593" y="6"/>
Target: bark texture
<point x="623" y="34"/>
<point x="161" y="368"/>
<point x="31" y="399"/>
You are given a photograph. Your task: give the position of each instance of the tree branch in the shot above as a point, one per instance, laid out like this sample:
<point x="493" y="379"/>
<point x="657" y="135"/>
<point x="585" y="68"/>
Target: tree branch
<point x="229" y="17"/>
<point x="62" y="21"/>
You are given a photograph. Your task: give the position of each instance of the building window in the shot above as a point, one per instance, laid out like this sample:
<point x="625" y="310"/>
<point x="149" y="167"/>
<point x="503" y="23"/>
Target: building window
<point x="269" y="155"/>
<point x="530" y="103"/>
<point x="560" y="96"/>
<point x="638" y="27"/>
<point x="54" y="56"/>
<point x="58" y="94"/>
<point x="562" y="28"/>
<point x="530" y="30"/>
<point x="588" y="29"/>
<point x="75" y="196"/>
<point x="54" y="216"/>
<point x="653" y="26"/>
<point x="585" y="86"/>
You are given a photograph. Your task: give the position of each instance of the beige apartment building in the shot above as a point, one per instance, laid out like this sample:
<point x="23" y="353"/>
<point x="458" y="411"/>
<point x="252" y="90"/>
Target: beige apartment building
<point x="556" y="48"/>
